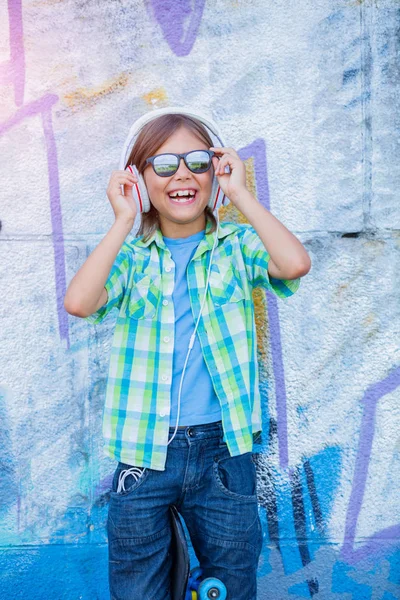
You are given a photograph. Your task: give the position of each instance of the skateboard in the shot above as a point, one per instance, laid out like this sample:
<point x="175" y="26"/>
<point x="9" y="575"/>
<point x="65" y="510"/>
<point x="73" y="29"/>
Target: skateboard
<point x="187" y="584"/>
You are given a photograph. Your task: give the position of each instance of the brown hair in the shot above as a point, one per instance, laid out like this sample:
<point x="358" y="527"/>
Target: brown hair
<point x="151" y="137"/>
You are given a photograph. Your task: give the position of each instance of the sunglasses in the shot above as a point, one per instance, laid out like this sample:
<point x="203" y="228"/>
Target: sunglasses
<point x="197" y="161"/>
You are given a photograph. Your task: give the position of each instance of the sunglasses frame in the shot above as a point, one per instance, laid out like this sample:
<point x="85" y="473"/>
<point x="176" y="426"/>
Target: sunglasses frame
<point x="151" y="159"/>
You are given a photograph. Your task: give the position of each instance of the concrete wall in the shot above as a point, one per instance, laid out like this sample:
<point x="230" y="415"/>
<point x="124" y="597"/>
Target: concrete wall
<point x="308" y="92"/>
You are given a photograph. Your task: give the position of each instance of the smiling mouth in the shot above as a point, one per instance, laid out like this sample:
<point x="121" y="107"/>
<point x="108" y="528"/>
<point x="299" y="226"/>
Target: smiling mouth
<point x="183" y="197"/>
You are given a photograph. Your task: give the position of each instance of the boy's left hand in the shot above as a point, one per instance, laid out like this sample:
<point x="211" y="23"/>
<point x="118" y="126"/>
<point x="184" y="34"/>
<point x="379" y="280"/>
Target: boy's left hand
<point x="234" y="183"/>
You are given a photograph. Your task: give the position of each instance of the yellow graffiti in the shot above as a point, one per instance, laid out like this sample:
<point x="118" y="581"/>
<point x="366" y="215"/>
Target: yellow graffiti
<point x="159" y="95"/>
<point x="232" y="214"/>
<point x="87" y="97"/>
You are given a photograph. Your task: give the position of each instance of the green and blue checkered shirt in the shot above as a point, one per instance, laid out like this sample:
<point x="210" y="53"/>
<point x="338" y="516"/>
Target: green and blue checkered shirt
<point x="136" y="417"/>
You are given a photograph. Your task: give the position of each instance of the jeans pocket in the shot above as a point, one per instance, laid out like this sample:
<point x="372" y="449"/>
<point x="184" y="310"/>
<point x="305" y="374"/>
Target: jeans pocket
<point x="236" y="476"/>
<point x="127" y="479"/>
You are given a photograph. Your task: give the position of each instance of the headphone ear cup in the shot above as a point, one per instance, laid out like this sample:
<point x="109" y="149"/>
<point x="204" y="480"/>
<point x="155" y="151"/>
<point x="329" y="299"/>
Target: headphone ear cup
<point x="139" y="191"/>
<point x="217" y="198"/>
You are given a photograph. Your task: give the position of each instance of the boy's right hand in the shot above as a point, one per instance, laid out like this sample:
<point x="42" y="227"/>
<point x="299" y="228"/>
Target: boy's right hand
<point x="123" y="204"/>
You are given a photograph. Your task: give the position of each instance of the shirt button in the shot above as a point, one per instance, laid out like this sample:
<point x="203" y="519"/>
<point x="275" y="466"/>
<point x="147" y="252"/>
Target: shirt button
<point x="162" y="414"/>
<point x="168" y="269"/>
<point x="165" y="302"/>
<point x="166" y="339"/>
<point x="164" y="377"/>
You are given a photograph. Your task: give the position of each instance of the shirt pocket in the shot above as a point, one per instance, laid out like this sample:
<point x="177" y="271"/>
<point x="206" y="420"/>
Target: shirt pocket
<point x="144" y="297"/>
<point x="225" y="286"/>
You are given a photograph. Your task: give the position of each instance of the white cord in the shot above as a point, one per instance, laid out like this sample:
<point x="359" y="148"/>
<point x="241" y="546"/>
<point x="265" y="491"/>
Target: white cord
<point x="136" y="473"/>
<point x="194" y="333"/>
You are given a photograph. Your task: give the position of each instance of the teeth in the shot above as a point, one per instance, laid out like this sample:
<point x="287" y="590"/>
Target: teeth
<point x="185" y="193"/>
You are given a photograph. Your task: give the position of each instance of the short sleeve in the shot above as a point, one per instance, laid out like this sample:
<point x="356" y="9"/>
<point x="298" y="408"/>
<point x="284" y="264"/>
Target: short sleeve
<point x="116" y="284"/>
<point x="256" y="260"/>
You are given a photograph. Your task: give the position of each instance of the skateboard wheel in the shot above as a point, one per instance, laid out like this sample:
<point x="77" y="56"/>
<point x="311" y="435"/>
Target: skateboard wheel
<point x="212" y="589"/>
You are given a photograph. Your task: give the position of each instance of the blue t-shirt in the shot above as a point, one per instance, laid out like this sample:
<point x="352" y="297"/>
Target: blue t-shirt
<point x="199" y="402"/>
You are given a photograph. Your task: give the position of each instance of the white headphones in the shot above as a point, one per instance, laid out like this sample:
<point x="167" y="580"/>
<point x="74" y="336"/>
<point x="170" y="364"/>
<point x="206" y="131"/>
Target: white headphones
<point x="139" y="190"/>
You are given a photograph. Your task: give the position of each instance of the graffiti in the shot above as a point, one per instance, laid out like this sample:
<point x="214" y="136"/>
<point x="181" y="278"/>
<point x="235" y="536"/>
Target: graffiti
<point x="257" y="151"/>
<point x="390" y="535"/>
<point x="13" y="72"/>
<point x="321" y="536"/>
<point x="179" y="22"/>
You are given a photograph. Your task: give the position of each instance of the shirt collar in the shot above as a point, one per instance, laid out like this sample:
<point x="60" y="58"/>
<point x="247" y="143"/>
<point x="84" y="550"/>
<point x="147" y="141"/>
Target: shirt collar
<point x="205" y="244"/>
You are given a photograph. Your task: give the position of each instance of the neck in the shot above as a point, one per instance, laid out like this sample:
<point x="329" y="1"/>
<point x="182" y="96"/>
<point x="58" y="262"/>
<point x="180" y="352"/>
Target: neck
<point x="174" y="230"/>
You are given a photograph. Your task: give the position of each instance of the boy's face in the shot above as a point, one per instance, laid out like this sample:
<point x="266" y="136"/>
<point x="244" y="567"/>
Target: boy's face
<point x="180" y="219"/>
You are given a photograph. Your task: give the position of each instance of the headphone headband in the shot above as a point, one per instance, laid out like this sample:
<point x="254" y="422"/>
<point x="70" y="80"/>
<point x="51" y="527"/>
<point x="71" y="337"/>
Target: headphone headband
<point x="159" y="112"/>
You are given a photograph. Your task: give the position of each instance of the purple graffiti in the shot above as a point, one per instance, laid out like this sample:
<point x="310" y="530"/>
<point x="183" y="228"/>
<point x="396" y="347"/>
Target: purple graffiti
<point x="172" y="16"/>
<point x="13" y="72"/>
<point x="258" y="150"/>
<point x="387" y="536"/>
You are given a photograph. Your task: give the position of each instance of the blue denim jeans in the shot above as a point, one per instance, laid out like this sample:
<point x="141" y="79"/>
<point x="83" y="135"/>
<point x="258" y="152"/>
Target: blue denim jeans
<point x="216" y="495"/>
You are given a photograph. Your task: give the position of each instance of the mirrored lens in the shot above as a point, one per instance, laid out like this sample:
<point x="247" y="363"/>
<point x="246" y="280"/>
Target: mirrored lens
<point x="165" y="164"/>
<point x="198" y="161"/>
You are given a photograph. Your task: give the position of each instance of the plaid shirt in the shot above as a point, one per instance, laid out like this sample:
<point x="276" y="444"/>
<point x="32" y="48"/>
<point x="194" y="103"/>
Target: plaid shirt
<point x="136" y="417"/>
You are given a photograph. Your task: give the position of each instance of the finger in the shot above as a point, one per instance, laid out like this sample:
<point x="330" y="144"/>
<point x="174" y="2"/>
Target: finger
<point x="125" y="177"/>
<point x="130" y="171"/>
<point x="217" y="150"/>
<point x="221" y="166"/>
<point x="226" y="161"/>
<point x="129" y="191"/>
<point x="125" y="183"/>
<point x="227" y="158"/>
<point x="224" y="150"/>
<point x="119" y="174"/>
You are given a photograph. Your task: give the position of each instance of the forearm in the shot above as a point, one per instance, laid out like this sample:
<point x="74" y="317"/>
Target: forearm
<point x="286" y="251"/>
<point x="86" y="287"/>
